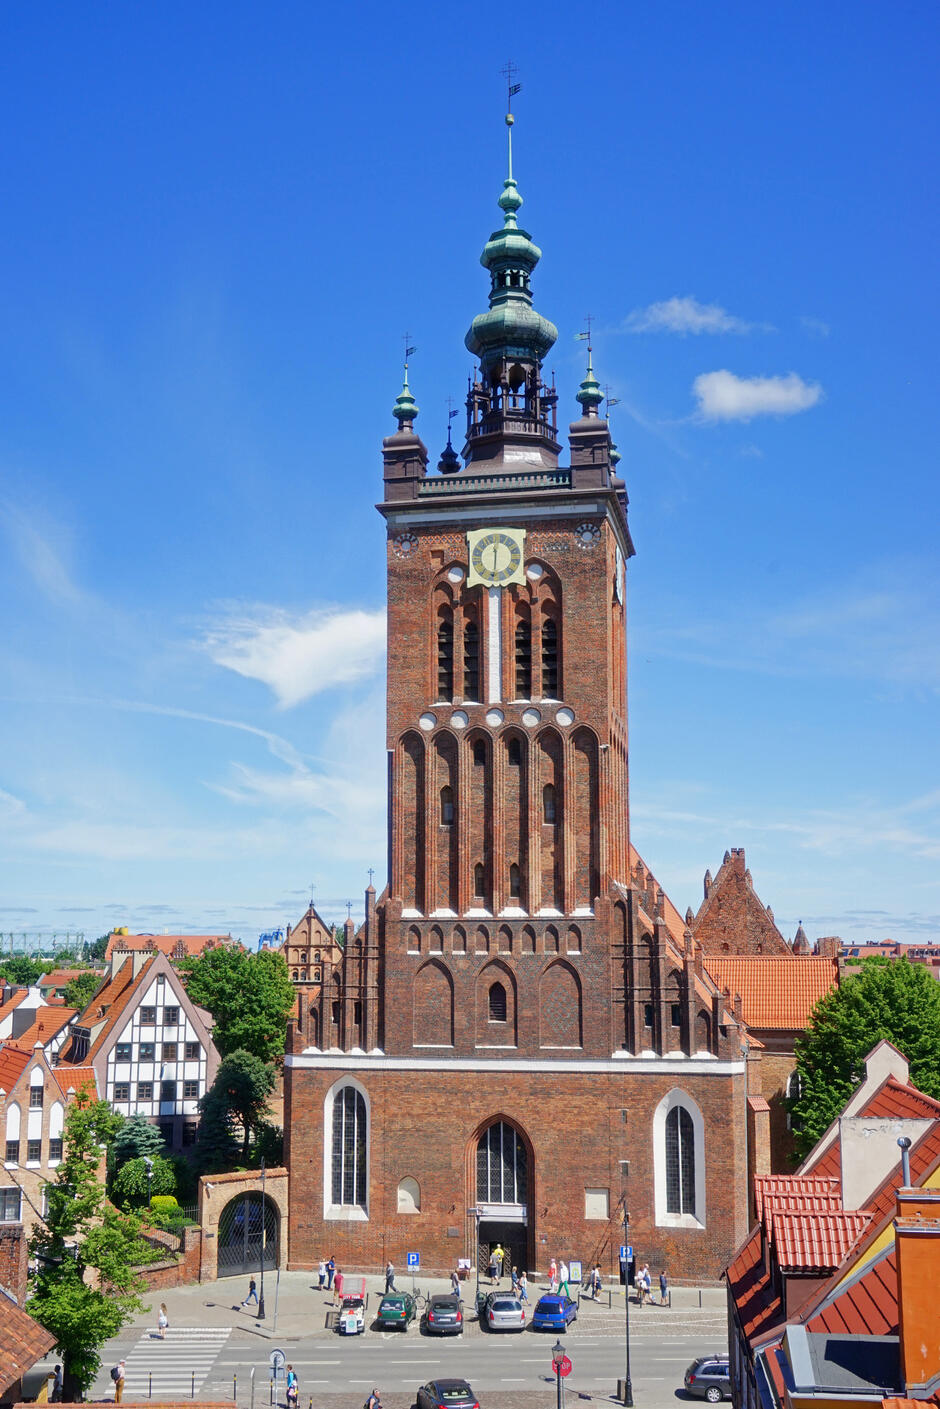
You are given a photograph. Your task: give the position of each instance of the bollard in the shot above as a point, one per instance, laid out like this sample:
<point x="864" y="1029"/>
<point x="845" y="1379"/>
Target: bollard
<point x="252" y="1387"/>
<point x="192" y="1393"/>
<point x="235" y="1388"/>
<point x="150" y="1384"/>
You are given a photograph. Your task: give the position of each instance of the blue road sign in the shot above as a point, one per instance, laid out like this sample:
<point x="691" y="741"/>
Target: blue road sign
<point x="414" y="1259"/>
<point x="623" y="1252"/>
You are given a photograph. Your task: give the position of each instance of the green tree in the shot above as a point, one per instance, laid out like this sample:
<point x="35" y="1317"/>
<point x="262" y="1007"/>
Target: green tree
<point x="888" y="998"/>
<point x="80" y="990"/>
<point x="248" y="995"/>
<point x="240" y="1091"/>
<point x="130" y="1187"/>
<point x="94" y="949"/>
<point x="83" y="1234"/>
<point x="133" y="1139"/>
<point x="216" y="1142"/>
<point x="22" y="970"/>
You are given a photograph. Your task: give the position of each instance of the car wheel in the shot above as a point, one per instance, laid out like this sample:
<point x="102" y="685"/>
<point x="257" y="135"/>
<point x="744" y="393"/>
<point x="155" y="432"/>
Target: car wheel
<point x="713" y="1394"/>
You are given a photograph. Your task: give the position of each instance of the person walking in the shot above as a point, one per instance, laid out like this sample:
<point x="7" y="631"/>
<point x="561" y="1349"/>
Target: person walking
<point x="117" y="1375"/>
<point x="663" y="1288"/>
<point x="330" y="1271"/>
<point x="523" y="1287"/>
<point x="252" y="1292"/>
<point x="55" y="1394"/>
<point x="597" y="1280"/>
<point x="455" y="1284"/>
<point x="338" y="1286"/>
<point x="389" y="1278"/>
<point x="563" y="1279"/>
<point x="321" y="1273"/>
<point x="499" y="1257"/>
<point x="292" y="1387"/>
<point x="373" y="1402"/>
<point x="163" y="1321"/>
<point x="553" y="1276"/>
<point x="491" y="1269"/>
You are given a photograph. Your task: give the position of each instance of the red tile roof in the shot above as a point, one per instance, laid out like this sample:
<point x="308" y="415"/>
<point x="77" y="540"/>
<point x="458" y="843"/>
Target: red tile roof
<point x="892" y="1099"/>
<point x="14" y="1001"/>
<point x="866" y="1306"/>
<point x="817" y="1241"/>
<point x="60" y="977"/>
<point x="191" y="944"/>
<point x="48" y="1021"/>
<point x="795" y="1192"/>
<point x="775" y="992"/>
<point x="75" y="1077"/>
<point x="757" y="1304"/>
<point x="12" y="1062"/>
<point x="22" y="1342"/>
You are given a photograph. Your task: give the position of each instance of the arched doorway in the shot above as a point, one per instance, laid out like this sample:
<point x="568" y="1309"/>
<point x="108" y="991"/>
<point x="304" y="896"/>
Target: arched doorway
<point x="503" y="1173"/>
<point x="248" y="1235"/>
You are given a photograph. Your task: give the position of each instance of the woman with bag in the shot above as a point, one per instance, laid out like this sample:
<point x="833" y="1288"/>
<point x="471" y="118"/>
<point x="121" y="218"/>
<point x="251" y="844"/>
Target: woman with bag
<point x="292" y="1387"/>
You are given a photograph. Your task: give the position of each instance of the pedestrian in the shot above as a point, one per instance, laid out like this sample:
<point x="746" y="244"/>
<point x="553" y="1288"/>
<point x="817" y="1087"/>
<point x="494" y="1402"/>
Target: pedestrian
<point x="389" y="1278"/>
<point x="553" y="1276"/>
<point x="523" y="1287"/>
<point x="563" y="1279"/>
<point x="321" y="1273"/>
<point x="117" y="1375"/>
<point x="373" y="1402"/>
<point x="163" y="1321"/>
<point x="455" y="1284"/>
<point x="491" y="1269"/>
<point x="663" y="1288"/>
<point x="514" y="1278"/>
<point x="597" y="1281"/>
<point x="56" y="1393"/>
<point x="338" y="1285"/>
<point x="499" y="1255"/>
<point x="330" y="1270"/>
<point x="292" y="1387"/>
<point x="252" y="1292"/>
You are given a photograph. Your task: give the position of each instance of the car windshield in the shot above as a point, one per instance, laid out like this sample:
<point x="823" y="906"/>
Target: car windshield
<point x="505" y="1306"/>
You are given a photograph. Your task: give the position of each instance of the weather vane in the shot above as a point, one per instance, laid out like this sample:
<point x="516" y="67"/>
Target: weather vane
<point x="410" y="349"/>
<point x="610" y="400"/>
<point x="581" y="337"/>
<point x="511" y="90"/>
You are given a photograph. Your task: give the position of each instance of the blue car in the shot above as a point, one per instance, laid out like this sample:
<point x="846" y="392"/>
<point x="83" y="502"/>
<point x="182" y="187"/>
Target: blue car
<point x="554" y="1313"/>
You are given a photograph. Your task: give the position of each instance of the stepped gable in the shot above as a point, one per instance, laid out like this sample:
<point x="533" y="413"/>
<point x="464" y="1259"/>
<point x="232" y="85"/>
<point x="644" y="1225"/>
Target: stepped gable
<point x="731" y="918"/>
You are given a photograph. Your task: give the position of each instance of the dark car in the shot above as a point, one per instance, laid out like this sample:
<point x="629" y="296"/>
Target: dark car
<point x="503" y="1312"/>
<point x="709" y="1377"/>
<point x="553" y="1313"/>
<point x="447" y="1394"/>
<point x="444" y="1316"/>
<point x="397" y="1309"/>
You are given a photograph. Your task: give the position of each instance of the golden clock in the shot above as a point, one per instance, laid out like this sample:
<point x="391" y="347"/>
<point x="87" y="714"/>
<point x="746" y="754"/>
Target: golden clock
<point x="496" y="556"/>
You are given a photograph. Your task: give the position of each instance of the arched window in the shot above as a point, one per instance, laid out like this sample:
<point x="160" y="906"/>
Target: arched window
<point x="515" y="882"/>
<point x="409" y="1196"/>
<point x="523" y="660"/>
<point x="471" y="661"/>
<point x="548" y="803"/>
<point x="549" y="659"/>
<point x="447" y="806"/>
<point x="514" y="753"/>
<point x="349" y="1148"/>
<point x="479" y="881"/>
<point x="316" y="957"/>
<point x="316" y="975"/>
<point x="502" y="1166"/>
<point x="445" y="659"/>
<point x="497" y="1003"/>
<point x="303" y="975"/>
<point x="479" y="753"/>
<point x="793" y="1093"/>
<point x="680" y="1162"/>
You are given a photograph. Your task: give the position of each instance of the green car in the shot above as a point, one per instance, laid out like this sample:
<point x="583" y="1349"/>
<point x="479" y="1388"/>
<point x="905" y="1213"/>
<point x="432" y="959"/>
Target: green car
<point x="397" y="1309"/>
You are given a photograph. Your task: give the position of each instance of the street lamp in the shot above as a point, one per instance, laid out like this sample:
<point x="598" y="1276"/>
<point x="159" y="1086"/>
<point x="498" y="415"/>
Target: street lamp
<point x="477" y="1211"/>
<point x="628" y="1386"/>
<point x="558" y="1355"/>
<point x="148" y="1165"/>
<point x="263" y="1229"/>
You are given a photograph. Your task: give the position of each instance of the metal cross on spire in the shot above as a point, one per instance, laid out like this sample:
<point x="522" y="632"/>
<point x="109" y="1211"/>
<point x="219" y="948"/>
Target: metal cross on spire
<point x="312" y="892"/>
<point x="589" y="319"/>
<point x="348" y="909"/>
<point x="508" y="72"/>
<point x="371" y="874"/>
<point x="410" y="349"/>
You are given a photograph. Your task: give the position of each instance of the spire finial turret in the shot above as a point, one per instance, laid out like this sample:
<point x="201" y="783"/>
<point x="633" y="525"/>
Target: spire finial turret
<point x="405" y="408"/>
<point x="589" y="393"/>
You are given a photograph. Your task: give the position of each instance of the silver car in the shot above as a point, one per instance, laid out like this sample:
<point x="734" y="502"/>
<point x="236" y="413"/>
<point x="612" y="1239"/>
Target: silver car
<point x="503" y="1312"/>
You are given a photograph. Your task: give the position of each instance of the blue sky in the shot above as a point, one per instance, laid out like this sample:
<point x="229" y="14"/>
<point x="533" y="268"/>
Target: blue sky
<point x="220" y="220"/>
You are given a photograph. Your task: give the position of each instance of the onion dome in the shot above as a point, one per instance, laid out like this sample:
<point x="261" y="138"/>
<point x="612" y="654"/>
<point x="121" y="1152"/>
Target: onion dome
<point x="449" y="463"/>
<point x="589" y="393"/>
<point x="405" y="408"/>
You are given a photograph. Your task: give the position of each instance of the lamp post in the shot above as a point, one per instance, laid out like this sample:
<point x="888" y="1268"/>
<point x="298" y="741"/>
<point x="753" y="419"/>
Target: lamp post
<point x="558" y="1355"/>
<point x="260" y="1316"/>
<point x="628" y="1385"/>
<point x="148" y="1165"/>
<point x="476" y="1211"/>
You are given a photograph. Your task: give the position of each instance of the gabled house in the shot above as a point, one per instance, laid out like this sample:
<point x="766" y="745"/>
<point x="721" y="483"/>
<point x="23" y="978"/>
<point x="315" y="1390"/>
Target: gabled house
<point x="174" y="946"/>
<point x="150" y="1046"/>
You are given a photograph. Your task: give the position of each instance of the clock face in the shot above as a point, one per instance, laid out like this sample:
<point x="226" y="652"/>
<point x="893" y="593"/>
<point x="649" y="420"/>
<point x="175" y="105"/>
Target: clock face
<point x="496" y="557"/>
<point x="404" y="545"/>
<point x="588" y="535"/>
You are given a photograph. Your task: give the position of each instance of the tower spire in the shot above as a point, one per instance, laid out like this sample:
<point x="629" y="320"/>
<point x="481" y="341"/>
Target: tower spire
<point x="589" y="393"/>
<point x="406" y="408"/>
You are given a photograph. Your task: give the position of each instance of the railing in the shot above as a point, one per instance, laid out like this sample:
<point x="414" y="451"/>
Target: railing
<point x="463" y="483"/>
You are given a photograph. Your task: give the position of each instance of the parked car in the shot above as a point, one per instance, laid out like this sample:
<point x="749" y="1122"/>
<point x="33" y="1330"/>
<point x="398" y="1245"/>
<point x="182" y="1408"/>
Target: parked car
<point x="444" y="1316"/>
<point x="553" y="1312"/>
<point x="397" y="1310"/>
<point x="503" y="1312"/>
<point x="709" y="1378"/>
<point x="352" y="1316"/>
<point x="447" y="1394"/>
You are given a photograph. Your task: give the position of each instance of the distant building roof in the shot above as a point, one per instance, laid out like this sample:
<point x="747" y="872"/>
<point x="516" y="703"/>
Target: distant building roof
<point x="58" y="978"/>
<point x="174" y="946"/>
<point x="775" y="992"/>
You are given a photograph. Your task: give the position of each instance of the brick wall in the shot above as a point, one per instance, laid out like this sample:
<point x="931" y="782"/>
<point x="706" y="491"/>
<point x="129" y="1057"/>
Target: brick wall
<point x="13" y="1259"/>
<point x="731" y="918"/>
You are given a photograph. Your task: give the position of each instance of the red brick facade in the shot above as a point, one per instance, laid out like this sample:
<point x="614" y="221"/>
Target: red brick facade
<point x="521" y="1026"/>
<point x="731" y="918"/>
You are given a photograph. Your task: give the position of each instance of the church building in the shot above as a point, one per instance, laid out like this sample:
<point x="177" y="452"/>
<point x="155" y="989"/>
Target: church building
<point x="522" y="1039"/>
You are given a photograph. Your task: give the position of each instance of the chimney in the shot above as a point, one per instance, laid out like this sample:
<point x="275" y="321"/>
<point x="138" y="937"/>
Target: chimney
<point x="917" y="1249"/>
<point x="904" y="1145"/>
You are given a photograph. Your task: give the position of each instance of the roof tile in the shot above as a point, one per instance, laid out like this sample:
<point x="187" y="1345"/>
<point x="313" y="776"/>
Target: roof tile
<point x="817" y="1241"/>
<point x="22" y="1342"/>
<point x="775" y="992"/>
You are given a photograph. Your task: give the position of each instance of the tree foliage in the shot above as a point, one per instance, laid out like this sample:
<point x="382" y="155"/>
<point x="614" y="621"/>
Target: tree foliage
<point x="888" y="998"/>
<point x="84" y="1234"/>
<point x="130" y="1186"/>
<point x="80" y="990"/>
<point x="248" y="995"/>
<point x="134" y="1138"/>
<point x="21" y="969"/>
<point x="95" y="949"/>
<point x="238" y="1097"/>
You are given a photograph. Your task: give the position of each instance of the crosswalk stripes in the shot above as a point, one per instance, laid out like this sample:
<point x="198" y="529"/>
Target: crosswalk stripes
<point x="173" y="1368"/>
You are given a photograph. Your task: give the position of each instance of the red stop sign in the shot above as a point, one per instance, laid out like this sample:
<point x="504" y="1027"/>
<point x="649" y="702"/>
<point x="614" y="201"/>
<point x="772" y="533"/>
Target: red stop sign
<point x="562" y="1366"/>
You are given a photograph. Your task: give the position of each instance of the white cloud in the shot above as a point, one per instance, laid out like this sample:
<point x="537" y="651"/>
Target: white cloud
<point x="10" y="806"/>
<point x="687" y="315"/>
<point x="724" y="397"/>
<point x="300" y="656"/>
<point x="815" y="327"/>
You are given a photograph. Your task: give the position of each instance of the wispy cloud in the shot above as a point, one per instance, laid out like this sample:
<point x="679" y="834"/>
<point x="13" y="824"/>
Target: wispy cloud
<point x="686" y="315"/>
<point x="40" y="559"/>
<point x="815" y="327"/>
<point x="299" y="656"/>
<point x="722" y="396"/>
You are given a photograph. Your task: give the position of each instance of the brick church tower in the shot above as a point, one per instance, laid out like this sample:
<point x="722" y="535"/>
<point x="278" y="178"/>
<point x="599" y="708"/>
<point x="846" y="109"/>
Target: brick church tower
<point x="521" y="1035"/>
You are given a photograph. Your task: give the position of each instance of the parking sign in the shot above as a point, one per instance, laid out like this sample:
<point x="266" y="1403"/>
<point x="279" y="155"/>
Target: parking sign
<point x="414" y="1259"/>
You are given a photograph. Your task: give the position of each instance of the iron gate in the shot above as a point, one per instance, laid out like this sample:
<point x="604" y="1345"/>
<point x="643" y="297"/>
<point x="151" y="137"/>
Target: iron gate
<point x="248" y="1233"/>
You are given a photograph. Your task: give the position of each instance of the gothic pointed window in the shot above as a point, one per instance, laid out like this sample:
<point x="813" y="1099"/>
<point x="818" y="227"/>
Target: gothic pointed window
<point x="471" y="661"/>
<point x="548" y="803"/>
<point x="523" y="660"/>
<point x="680" y="1162"/>
<point x="447" y="806"/>
<point x="445" y="658"/>
<point x="479" y="753"/>
<point x="479" y="881"/>
<point x="515" y="882"/>
<point x="502" y="1166"/>
<point x="350" y="1148"/>
<point x="514" y="754"/>
<point x="549" y="659"/>
<point x="497" y="1003"/>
